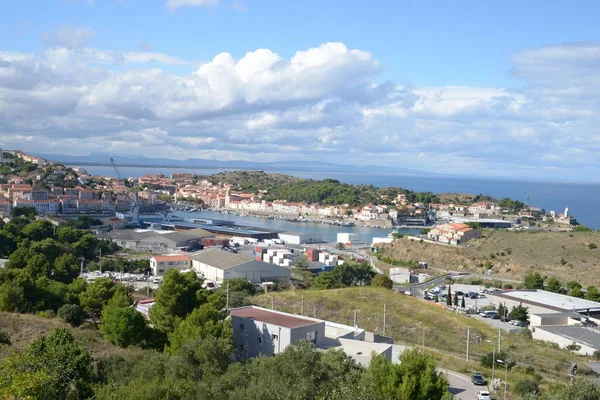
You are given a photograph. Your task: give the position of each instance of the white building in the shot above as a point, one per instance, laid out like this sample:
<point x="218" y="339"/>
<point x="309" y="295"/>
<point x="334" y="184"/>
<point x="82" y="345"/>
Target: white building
<point x="217" y="265"/>
<point x="300" y="237"/>
<point x="259" y="331"/>
<point x="160" y="265"/>
<point x="347" y="237"/>
<point x="41" y="206"/>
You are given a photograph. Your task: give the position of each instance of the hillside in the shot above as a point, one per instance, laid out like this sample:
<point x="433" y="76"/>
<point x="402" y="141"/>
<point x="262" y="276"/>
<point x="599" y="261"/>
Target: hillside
<point x="24" y="328"/>
<point x="566" y="256"/>
<point x="413" y="321"/>
<point x="252" y="180"/>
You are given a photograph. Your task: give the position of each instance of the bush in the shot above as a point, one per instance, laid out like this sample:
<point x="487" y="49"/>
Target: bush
<point x="508" y="286"/>
<point x="4" y="338"/>
<point x="526" y="386"/>
<point x="382" y="281"/>
<point x="592" y="246"/>
<point x="48" y="314"/>
<point x="72" y="314"/>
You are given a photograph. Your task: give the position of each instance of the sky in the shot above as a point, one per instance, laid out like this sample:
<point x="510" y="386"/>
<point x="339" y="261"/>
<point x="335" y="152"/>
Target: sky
<point x="498" y="89"/>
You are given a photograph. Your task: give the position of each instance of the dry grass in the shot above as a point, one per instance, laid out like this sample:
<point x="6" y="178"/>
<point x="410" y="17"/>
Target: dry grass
<point x="24" y="328"/>
<point x="408" y="320"/>
<point x="561" y="254"/>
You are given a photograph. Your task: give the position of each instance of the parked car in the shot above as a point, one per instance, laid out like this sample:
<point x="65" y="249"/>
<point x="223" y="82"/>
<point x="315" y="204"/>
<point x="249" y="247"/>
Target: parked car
<point x="478" y="380"/>
<point x="520" y="324"/>
<point x="484" y="395"/>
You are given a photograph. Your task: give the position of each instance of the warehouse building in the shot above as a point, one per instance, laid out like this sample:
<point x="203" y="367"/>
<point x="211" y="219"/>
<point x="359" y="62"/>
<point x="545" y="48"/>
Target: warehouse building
<point x="217" y="265"/>
<point x="259" y="331"/>
<point x="299" y="237"/>
<point x="347" y="237"/>
<point x="157" y="241"/>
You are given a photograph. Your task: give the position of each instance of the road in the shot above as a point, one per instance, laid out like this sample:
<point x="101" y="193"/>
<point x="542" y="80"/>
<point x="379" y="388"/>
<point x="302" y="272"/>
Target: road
<point x="418" y="286"/>
<point x="473" y="275"/>
<point x="461" y="386"/>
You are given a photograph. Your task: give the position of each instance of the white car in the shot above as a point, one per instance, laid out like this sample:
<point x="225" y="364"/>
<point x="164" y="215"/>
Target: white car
<point x="484" y="395"/>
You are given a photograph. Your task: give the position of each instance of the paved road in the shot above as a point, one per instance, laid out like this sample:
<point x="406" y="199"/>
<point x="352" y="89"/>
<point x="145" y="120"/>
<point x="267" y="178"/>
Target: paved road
<point x="419" y="286"/>
<point x="474" y="275"/>
<point x="461" y="386"/>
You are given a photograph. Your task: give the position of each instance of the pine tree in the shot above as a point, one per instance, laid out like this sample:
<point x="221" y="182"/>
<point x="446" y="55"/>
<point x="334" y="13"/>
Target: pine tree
<point x="462" y="303"/>
<point x="449" y="298"/>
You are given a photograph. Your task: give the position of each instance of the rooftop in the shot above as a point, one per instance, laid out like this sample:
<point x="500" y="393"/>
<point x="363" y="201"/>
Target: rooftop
<point x="220" y="259"/>
<point x="173" y="257"/>
<point x="272" y="317"/>
<point x="588" y="336"/>
<point x="555" y="301"/>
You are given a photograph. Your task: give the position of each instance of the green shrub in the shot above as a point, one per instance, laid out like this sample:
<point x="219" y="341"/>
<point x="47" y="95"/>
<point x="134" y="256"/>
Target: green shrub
<point x="4" y="338"/>
<point x="508" y="286"/>
<point x="592" y="246"/>
<point x="72" y="314"/>
<point x="526" y="386"/>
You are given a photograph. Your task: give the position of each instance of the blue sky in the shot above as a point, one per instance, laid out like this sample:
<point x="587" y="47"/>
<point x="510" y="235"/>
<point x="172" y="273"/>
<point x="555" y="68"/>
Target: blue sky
<point x="505" y="88"/>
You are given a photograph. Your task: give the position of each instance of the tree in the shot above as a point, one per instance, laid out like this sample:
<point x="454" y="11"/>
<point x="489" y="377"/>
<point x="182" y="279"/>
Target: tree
<point x="27" y="212"/>
<point x="502" y="311"/>
<point x="54" y="366"/>
<point x="177" y="297"/>
<point x="8" y="244"/>
<point x="72" y="314"/>
<point x="581" y="389"/>
<point x="533" y="280"/>
<point x="462" y="303"/>
<point x="39" y="230"/>
<point x="553" y="285"/>
<point x="576" y="292"/>
<point x="519" y="313"/>
<point x="455" y="300"/>
<point x="301" y="261"/>
<point x="123" y="326"/>
<point x="592" y="293"/>
<point x="67" y="234"/>
<point x="66" y="268"/>
<point x="204" y="321"/>
<point x="96" y="296"/>
<point x="240" y="285"/>
<point x="574" y="347"/>
<point x="415" y="378"/>
<point x="449" y="296"/>
<point x="12" y="297"/>
<point x="340" y="246"/>
<point x="574" y="284"/>
<point x="382" y="280"/>
<point x="86" y="246"/>
<point x="488" y="359"/>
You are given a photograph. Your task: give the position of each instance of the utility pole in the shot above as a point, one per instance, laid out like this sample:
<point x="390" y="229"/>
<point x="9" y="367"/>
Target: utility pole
<point x="302" y="306"/>
<point x="384" y="310"/>
<point x="499" y="341"/>
<point x="100" y="259"/>
<point x="493" y="366"/>
<point x="315" y="311"/>
<point x="82" y="262"/>
<point x="272" y="302"/>
<point x="354" y="319"/>
<point x="227" y="298"/>
<point x="468" y="342"/>
<point x="148" y="288"/>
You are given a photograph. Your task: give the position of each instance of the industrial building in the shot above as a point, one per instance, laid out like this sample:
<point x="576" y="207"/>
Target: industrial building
<point x="300" y="237"/>
<point x="217" y="265"/>
<point x="559" y="319"/>
<point x="347" y="237"/>
<point x="160" y="265"/>
<point x="157" y="241"/>
<point x="259" y="331"/>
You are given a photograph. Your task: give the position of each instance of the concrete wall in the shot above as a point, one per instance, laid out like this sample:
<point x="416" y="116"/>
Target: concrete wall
<point x="540" y="334"/>
<point x="209" y="272"/>
<point x="156" y="267"/>
<point x="257" y="271"/>
<point x="273" y="338"/>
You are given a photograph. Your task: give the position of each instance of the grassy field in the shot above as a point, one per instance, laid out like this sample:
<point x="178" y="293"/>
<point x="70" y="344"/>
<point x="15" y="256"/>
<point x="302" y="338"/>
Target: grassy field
<point x="411" y="321"/>
<point x="565" y="255"/>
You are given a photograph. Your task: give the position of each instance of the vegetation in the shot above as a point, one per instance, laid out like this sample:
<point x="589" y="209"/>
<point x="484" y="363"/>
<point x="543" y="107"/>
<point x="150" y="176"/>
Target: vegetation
<point x="515" y="255"/>
<point x="347" y="274"/>
<point x="533" y="280"/>
<point x="382" y="280"/>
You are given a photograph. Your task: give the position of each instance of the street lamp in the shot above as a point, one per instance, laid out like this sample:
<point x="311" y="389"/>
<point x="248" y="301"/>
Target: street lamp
<point x="505" y="375"/>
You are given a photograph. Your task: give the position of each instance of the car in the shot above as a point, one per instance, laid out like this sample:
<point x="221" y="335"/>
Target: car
<point x="459" y="293"/>
<point x="428" y="297"/>
<point x="478" y="380"/>
<point x="520" y="324"/>
<point x="484" y="395"/>
<point x="481" y="296"/>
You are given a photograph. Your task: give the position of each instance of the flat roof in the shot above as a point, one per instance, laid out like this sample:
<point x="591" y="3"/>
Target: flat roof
<point x="271" y="317"/>
<point x="588" y="336"/>
<point x="221" y="259"/>
<point x="559" y="302"/>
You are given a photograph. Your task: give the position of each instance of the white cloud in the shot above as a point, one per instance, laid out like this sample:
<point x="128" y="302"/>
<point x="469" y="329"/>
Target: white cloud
<point x="323" y="103"/>
<point x="175" y="4"/>
<point x="71" y="37"/>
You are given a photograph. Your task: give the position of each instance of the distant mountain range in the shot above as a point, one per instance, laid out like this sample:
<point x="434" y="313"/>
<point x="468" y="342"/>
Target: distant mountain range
<point x="198" y="163"/>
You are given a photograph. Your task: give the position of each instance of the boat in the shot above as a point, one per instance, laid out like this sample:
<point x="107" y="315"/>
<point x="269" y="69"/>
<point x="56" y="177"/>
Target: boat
<point x="193" y="210"/>
<point x="270" y="217"/>
<point x="348" y="223"/>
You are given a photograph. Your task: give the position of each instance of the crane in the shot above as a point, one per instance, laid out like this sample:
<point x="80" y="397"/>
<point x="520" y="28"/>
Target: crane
<point x="135" y="206"/>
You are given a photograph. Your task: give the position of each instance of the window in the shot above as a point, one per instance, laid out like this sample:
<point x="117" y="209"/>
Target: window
<point x="259" y="340"/>
<point x="275" y="337"/>
<point x="311" y="337"/>
<point x="241" y="347"/>
<point x="160" y="271"/>
<point x="241" y="327"/>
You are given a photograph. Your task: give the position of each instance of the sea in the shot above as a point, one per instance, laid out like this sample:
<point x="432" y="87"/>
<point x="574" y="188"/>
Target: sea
<point x="582" y="199"/>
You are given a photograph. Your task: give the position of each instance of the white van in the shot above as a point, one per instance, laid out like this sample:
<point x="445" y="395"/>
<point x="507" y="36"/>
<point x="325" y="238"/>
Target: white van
<point x="489" y="314"/>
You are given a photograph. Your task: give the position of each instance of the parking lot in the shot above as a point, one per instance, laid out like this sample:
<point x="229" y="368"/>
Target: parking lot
<point x="483" y="300"/>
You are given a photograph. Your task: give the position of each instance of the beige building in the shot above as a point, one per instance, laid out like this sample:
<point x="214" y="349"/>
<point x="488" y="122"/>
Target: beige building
<point x="160" y="265"/>
<point x="454" y="233"/>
